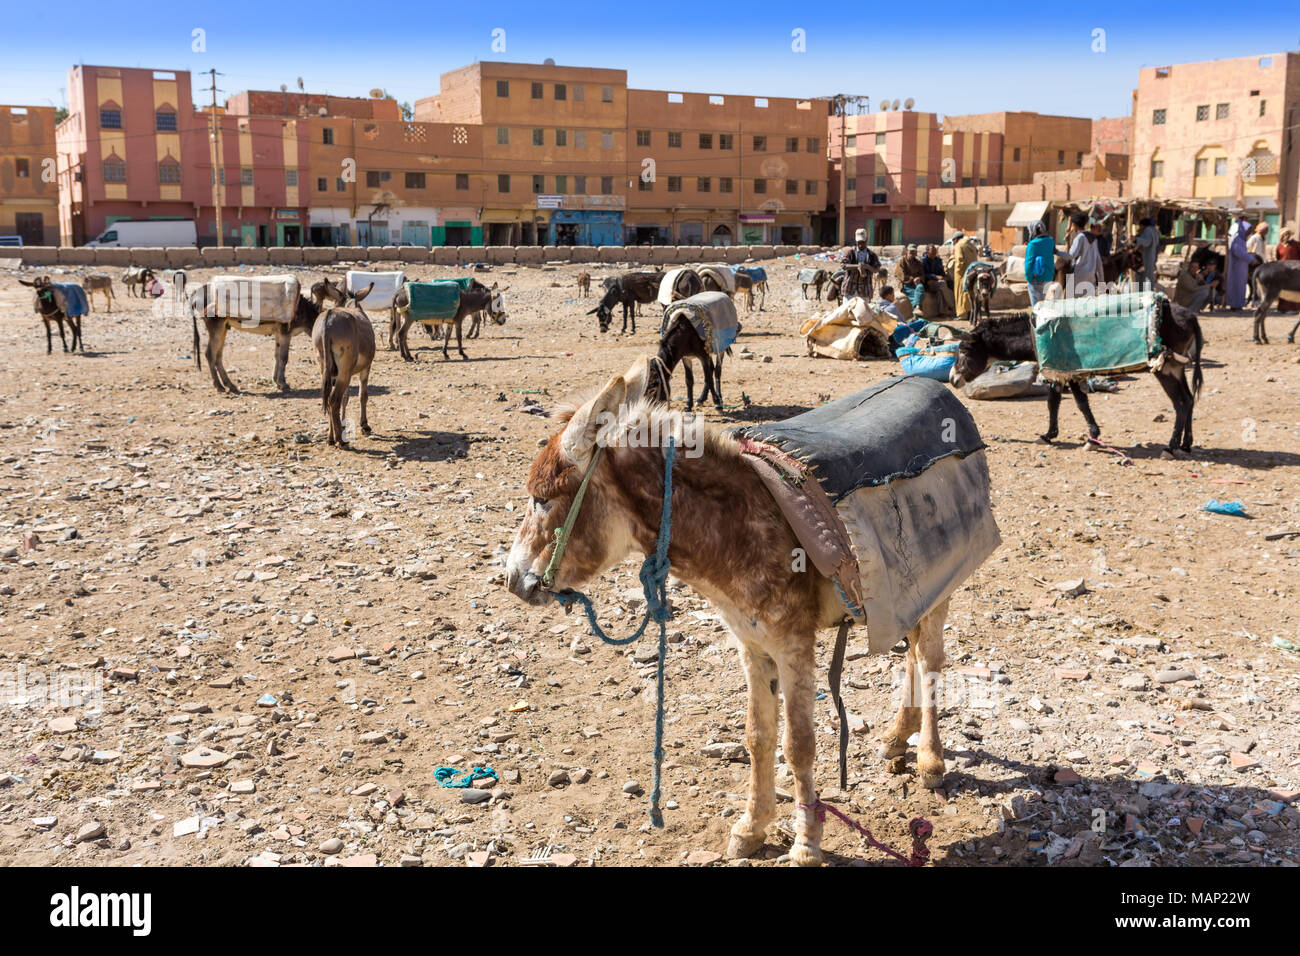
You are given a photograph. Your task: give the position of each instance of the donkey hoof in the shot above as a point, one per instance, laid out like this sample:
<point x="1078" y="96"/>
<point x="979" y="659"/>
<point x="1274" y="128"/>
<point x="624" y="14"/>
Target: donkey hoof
<point x="1094" y="433"/>
<point x="805" y="854"/>
<point x="366" y="429"/>
<point x="1045" y="439"/>
<point x="930" y="772"/>
<point x="741" y="846"/>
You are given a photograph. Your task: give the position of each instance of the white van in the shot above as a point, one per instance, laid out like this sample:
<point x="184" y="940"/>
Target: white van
<point x="147" y="232"/>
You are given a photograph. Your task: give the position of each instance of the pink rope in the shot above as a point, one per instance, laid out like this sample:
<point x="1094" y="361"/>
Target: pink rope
<point x="919" y="827"/>
<point x="1123" y="458"/>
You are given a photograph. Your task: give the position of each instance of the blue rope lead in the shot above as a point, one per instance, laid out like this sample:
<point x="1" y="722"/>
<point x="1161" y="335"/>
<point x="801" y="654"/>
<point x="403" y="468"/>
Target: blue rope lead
<point x="654" y="584"/>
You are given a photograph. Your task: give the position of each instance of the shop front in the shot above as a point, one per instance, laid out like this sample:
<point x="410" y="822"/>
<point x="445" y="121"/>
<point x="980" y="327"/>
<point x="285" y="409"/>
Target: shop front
<point x="585" y="227"/>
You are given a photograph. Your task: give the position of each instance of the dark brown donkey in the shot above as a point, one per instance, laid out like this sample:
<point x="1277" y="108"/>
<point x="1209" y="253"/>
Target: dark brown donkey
<point x="345" y="345"/>
<point x="51" y="312"/>
<point x="477" y="297"/>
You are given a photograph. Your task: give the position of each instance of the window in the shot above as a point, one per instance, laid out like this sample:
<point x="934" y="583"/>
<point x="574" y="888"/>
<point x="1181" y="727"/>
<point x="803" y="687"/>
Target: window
<point x="880" y="182"/>
<point x="922" y="181"/>
<point x="704" y="184"/>
<point x="674" y="184"/>
<point x="607" y="140"/>
<point x="1158" y="117"/>
<point x="792" y="144"/>
<point x="643" y="137"/>
<point x="322" y="184"/>
<point x="538" y="139"/>
<point x="503" y="135"/>
<point x="340" y="185"/>
<point x="1157" y="168"/>
<point x="880" y="139"/>
<point x="462" y="181"/>
<point x="164" y="121"/>
<point x="792" y="187"/>
<point x="579" y="139"/>
<point x="246" y="176"/>
<point x="1261" y="106"/>
<point x="579" y="94"/>
<point x="1015" y="155"/>
<point x="169" y="174"/>
<point x="503" y="89"/>
<point x="760" y="144"/>
<point x="1202" y="113"/>
<point x="983" y="181"/>
<point x="327" y="136"/>
<point x="674" y="140"/>
<point x="726" y="141"/>
<point x="810" y="188"/>
<point x="110" y="119"/>
<point x="1060" y="157"/>
<point x="852" y="184"/>
<point x="220" y="176"/>
<point x="580" y="185"/>
<point x="291" y="178"/>
<point x="1202" y="167"/>
<point x="22" y="167"/>
<point x="372" y="179"/>
<point x="706" y="141"/>
<point x="503" y="183"/>
<point x="114" y="172"/>
<point x="607" y="185"/>
<point x="966" y="182"/>
<point x="1221" y="111"/>
<point x="607" y="94"/>
<point x="760" y="186"/>
<point x="539" y="184"/>
<point x="415" y="180"/>
<point x="1078" y="159"/>
<point x="1221" y="166"/>
<point x="537" y="91"/>
<point x="644" y="185"/>
<point x="561" y="184"/>
<point x="814" y="144"/>
<point x="850" y="142"/>
<point x="724" y="184"/>
<point x="561" y="137"/>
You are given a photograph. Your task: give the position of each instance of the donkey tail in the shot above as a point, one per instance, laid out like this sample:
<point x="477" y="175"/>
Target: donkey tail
<point x="1197" y="378"/>
<point x="329" y="371"/>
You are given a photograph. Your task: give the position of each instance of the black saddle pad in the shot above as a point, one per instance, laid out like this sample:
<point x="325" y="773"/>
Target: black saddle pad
<point x="895" y="429"/>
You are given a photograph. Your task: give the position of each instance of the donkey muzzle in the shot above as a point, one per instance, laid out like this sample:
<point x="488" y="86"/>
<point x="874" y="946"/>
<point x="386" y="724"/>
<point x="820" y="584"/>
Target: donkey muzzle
<point x="527" y="586"/>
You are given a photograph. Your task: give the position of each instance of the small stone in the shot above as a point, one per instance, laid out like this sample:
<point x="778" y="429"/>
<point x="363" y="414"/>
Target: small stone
<point x="373" y="737"/>
<point x="1241" y="762"/>
<point x="725" y="751"/>
<point x="205" y="758"/>
<point x="243" y="786"/>
<point x="1071" y="588"/>
<point x="632" y="787"/>
<point x="479" y="858"/>
<point x="341" y="654"/>
<point x="187" y="826"/>
<point x="90" y="831"/>
<point x="702" y="857"/>
<point x="474" y="795"/>
<point x="1172" y="676"/>
<point x="1135" y="682"/>
<point x="332" y="846"/>
<point x="62" y="725"/>
<point x="558" y="778"/>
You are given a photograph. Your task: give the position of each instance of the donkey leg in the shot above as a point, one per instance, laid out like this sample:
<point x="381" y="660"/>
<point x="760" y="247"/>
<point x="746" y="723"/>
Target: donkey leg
<point x="1171" y="385"/>
<point x="1053" y="414"/>
<point x="460" y="343"/>
<point x="212" y="352"/>
<point x="403" y="345"/>
<point x="717" y="381"/>
<point x="1085" y="409"/>
<point x="690" y="385"/>
<point x="929" y="754"/>
<point x="798" y="687"/>
<point x="364" y="398"/>
<point x="282" y="340"/>
<point x="893" y="743"/>
<point x="63" y="338"/>
<point x="49" y="339"/>
<point x="748" y="834"/>
<point x="1261" y="313"/>
<point x="1291" y="337"/>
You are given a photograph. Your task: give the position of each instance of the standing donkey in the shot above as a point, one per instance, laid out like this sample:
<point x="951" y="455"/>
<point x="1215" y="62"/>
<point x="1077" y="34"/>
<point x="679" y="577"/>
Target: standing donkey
<point x="731" y="542"/>
<point x="345" y="344"/>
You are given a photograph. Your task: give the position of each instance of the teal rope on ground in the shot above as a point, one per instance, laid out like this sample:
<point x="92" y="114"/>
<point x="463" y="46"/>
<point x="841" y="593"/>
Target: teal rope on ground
<point x="447" y="776"/>
<point x="654" y="583"/>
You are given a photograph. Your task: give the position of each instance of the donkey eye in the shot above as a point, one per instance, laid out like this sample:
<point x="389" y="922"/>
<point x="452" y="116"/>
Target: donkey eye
<point x="541" y="504"/>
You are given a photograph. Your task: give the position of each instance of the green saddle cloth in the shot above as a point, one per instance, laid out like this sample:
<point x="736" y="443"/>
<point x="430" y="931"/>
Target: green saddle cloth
<point x="437" y="300"/>
<point x="1077" y="338"/>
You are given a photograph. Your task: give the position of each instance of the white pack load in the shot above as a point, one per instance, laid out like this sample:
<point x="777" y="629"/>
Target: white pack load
<point x="387" y="285"/>
<point x="253" y="299"/>
<point x="722" y="275"/>
<point x="667" y="284"/>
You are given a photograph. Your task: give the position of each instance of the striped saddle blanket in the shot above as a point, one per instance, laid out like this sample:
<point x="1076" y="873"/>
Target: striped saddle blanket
<point x="436" y="301"/>
<point x="1096" y="335"/>
<point x="713" y="315"/>
<point x="887" y="491"/>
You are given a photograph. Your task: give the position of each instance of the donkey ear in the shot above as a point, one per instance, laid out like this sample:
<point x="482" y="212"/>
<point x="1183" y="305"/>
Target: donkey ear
<point x="579" y="438"/>
<point x="357" y="297"/>
<point x="26" y="283"/>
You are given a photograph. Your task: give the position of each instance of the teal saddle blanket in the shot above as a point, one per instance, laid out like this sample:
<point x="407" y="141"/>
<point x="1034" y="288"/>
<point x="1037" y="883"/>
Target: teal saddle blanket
<point x="436" y="301"/>
<point x="1075" y="338"/>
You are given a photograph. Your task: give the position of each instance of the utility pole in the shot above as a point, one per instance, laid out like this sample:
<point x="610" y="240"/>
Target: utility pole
<point x="840" y="104"/>
<point x="218" y="187"/>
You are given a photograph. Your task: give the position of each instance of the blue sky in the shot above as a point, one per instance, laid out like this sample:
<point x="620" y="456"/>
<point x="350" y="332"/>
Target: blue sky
<point x="949" y="58"/>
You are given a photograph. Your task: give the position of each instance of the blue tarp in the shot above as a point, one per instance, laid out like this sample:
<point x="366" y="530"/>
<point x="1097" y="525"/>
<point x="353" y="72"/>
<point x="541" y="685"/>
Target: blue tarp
<point x="74" y="302"/>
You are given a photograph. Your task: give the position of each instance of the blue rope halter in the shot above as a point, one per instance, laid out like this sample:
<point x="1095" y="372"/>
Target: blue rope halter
<point x="654" y="583"/>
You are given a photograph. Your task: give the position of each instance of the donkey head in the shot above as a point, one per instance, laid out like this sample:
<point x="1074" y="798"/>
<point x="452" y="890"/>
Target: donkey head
<point x="604" y="312"/>
<point x="601" y="534"/>
<point x="973" y="357"/>
<point x="44" y="293"/>
<point x="327" y="289"/>
<point x="496" y="307"/>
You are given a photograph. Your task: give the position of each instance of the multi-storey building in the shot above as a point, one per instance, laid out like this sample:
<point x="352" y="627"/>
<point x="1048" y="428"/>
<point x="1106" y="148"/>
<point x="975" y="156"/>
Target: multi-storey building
<point x="1221" y="131"/>
<point x="29" y="189"/>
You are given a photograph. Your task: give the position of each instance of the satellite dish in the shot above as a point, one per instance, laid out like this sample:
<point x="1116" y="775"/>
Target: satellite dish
<point x="284" y="87"/>
<point x="323" y="111"/>
<point x="884" y="104"/>
<point x="895" y="106"/>
<point x="376" y="94"/>
<point x="548" y="62"/>
<point x="908" y="103"/>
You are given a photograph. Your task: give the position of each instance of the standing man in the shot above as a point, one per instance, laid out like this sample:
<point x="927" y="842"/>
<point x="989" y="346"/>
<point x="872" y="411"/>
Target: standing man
<point x="1148" y="243"/>
<point x="1257" y="246"/>
<point x="1238" y="264"/>
<point x="965" y="251"/>
<point x="1083" y="253"/>
<point x="1040" y="262"/>
<point x="867" y="263"/>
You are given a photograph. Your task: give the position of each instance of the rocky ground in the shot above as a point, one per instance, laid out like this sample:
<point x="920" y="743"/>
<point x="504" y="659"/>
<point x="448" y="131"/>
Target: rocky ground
<point x="279" y="642"/>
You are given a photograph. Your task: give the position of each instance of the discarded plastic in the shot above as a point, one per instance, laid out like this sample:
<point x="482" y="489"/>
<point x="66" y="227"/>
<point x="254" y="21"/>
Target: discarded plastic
<point x="1225" y="508"/>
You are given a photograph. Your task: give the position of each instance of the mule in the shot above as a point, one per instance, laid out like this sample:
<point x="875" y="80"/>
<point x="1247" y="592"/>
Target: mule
<point x="306" y="311"/>
<point x="1011" y="338"/>
<point x="1274" y="281"/>
<point x="732" y="544"/>
<point x="477" y="297"/>
<point x="52" y="314"/>
<point x="345" y="345"/>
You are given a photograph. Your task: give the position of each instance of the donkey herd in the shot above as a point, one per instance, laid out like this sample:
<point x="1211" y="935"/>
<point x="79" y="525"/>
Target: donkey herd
<point x="727" y="523"/>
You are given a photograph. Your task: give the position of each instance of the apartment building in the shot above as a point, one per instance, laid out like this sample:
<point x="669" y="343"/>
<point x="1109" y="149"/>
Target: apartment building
<point x="29" y="189"/>
<point x="1220" y="130"/>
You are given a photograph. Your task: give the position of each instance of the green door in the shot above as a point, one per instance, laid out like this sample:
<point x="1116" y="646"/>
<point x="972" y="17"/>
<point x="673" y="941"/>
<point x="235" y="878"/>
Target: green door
<point x="248" y="235"/>
<point x="476" y="236"/>
<point x="438" y="235"/>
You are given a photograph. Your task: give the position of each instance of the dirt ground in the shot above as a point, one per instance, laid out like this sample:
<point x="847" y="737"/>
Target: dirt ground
<point x="327" y="627"/>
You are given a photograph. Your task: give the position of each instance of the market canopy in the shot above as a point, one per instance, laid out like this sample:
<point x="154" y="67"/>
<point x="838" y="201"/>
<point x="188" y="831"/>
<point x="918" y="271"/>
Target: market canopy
<point x="1028" y="213"/>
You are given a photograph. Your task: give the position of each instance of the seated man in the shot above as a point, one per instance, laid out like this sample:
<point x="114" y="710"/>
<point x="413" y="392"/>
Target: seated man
<point x="911" y="274"/>
<point x="936" y="282"/>
<point x="1213" y="282"/>
<point x="885" y="304"/>
<point x="1190" y="291"/>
